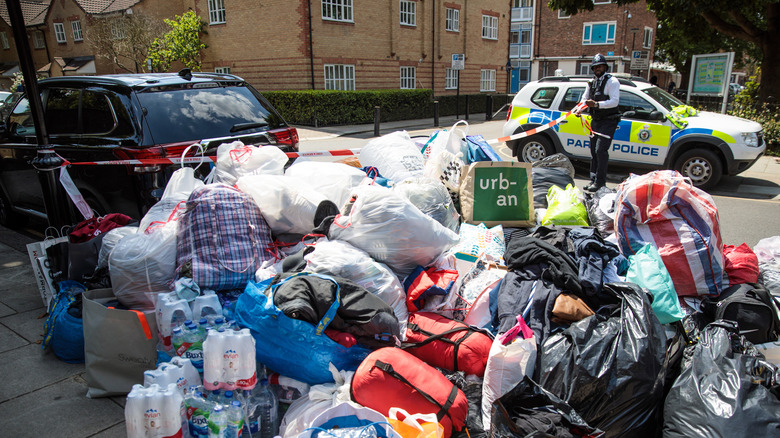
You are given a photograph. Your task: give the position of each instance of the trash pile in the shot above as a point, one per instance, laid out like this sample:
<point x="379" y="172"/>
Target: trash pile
<point x="428" y="290"/>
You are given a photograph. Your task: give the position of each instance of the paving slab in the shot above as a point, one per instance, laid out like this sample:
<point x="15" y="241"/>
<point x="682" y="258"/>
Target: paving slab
<point x="27" y="369"/>
<point x="116" y="431"/>
<point x="60" y="409"/>
<point x="18" y="289"/>
<point x="5" y="310"/>
<point x="10" y="340"/>
<point x="28" y="325"/>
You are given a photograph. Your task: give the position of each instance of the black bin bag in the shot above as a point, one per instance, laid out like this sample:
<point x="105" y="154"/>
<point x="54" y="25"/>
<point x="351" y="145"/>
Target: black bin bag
<point x="611" y="367"/>
<point x="727" y="391"/>
<point x="530" y="411"/>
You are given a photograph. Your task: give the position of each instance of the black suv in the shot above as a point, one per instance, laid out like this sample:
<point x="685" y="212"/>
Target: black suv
<point x="124" y="117"/>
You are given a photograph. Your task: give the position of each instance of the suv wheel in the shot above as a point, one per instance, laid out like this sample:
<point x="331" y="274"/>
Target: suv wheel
<point x="533" y="148"/>
<point x="8" y="217"/>
<point x="701" y="166"/>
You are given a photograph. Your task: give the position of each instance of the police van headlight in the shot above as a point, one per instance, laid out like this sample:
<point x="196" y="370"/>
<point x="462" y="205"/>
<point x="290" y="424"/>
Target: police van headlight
<point x="750" y="139"/>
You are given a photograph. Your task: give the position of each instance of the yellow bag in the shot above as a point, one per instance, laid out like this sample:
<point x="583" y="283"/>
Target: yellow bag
<point x="415" y="426"/>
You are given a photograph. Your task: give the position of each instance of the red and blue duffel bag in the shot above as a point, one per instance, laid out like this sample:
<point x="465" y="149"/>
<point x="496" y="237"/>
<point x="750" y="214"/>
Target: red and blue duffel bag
<point x="446" y="343"/>
<point x="392" y="378"/>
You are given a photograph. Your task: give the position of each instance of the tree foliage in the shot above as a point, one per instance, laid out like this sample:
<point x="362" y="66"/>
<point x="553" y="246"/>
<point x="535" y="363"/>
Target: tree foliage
<point x="688" y="27"/>
<point x="181" y="43"/>
<point x="124" y="39"/>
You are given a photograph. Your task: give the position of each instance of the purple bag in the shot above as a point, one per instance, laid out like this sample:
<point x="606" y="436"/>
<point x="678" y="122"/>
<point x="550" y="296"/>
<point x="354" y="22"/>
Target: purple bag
<point x="222" y="238"/>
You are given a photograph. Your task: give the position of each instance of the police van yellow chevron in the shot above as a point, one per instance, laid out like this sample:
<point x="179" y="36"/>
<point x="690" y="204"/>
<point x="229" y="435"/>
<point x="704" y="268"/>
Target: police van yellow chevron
<point x="656" y="130"/>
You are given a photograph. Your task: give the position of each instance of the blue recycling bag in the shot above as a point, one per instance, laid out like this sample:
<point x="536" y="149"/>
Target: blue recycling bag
<point x="292" y="347"/>
<point x="477" y="149"/>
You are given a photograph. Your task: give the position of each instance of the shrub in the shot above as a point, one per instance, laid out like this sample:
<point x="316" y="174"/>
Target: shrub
<point x="747" y="105"/>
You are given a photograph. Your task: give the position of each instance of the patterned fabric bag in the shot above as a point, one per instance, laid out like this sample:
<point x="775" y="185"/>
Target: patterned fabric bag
<point x="222" y="238"/>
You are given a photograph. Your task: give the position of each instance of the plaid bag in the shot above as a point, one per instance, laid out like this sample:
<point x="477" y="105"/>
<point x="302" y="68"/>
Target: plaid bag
<point x="222" y="238"/>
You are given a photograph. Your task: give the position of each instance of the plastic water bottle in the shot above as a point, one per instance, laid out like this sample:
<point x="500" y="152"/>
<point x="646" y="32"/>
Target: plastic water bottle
<point x="235" y="420"/>
<point x="154" y="411"/>
<point x="217" y="422"/>
<point x="198" y="412"/>
<point x="264" y="417"/>
<point x="215" y="396"/>
<point x="194" y="351"/>
<point x="171" y="311"/>
<point x="206" y="304"/>
<point x="229" y="360"/>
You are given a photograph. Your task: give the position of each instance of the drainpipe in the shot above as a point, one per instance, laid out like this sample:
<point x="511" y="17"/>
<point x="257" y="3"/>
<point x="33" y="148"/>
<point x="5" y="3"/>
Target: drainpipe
<point x="46" y="160"/>
<point x="311" y="49"/>
<point x="433" y="49"/>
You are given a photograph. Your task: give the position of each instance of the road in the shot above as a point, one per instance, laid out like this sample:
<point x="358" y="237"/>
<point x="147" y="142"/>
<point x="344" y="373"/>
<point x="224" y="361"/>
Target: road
<point x="743" y="219"/>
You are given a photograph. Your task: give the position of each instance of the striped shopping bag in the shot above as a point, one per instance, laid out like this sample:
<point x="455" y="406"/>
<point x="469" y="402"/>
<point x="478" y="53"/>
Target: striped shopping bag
<point x="664" y="209"/>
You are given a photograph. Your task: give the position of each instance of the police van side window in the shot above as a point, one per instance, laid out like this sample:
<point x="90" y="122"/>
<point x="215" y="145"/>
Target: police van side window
<point x="571" y="98"/>
<point x="544" y="97"/>
<point x="632" y="102"/>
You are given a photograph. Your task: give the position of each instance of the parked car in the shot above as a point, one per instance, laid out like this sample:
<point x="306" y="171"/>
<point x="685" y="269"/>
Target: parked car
<point x="7" y="103"/>
<point x="707" y="146"/>
<point x="123" y="117"/>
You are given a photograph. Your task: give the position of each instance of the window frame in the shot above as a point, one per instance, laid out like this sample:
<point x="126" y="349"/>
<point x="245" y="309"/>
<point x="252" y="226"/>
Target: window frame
<point x="408" y="17"/>
<point x="452" y="20"/>
<point x="536" y="97"/>
<point x="222" y="70"/>
<point x="563" y="15"/>
<point x="338" y="10"/>
<point x="118" y="31"/>
<point x="217" y="13"/>
<point x="588" y="28"/>
<point x="78" y="34"/>
<point x="39" y="39"/>
<point x="485" y="83"/>
<point x="4" y="40"/>
<point x="406" y="79"/>
<point x="647" y="40"/>
<point x="451" y="79"/>
<point x="347" y="83"/>
<point x="489" y="27"/>
<point x="59" y="33"/>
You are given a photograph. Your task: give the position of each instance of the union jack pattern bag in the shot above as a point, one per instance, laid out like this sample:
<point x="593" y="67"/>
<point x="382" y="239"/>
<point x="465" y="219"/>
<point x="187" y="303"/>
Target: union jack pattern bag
<point x="663" y="208"/>
<point x="222" y="238"/>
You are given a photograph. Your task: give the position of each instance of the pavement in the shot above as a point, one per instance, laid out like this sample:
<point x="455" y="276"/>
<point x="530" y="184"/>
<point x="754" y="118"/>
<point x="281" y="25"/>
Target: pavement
<point x="43" y="396"/>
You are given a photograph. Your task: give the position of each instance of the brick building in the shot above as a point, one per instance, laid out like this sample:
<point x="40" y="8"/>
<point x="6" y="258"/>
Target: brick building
<point x="543" y="41"/>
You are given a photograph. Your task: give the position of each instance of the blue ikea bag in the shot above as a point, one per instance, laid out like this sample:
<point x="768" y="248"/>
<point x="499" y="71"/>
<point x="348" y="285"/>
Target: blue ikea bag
<point x="477" y="149"/>
<point x="63" y="332"/>
<point x="292" y="347"/>
<point x="647" y="269"/>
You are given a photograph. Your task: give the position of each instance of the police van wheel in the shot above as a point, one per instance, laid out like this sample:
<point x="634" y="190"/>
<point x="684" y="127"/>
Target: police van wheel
<point x="533" y="148"/>
<point x="701" y="166"/>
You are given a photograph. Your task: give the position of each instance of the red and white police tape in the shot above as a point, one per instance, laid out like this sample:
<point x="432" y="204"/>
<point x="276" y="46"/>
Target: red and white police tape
<point x="333" y="153"/>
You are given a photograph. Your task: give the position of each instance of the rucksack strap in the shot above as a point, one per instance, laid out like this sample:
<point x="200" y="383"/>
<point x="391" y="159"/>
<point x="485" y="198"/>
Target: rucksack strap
<point x="439" y="337"/>
<point x="443" y="408"/>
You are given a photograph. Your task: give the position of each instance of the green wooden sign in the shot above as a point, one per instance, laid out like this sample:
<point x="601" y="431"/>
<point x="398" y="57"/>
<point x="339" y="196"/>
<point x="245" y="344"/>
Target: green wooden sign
<point x="498" y="193"/>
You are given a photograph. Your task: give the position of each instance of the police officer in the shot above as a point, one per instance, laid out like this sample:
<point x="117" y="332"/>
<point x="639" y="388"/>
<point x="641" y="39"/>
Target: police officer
<point x="601" y="97"/>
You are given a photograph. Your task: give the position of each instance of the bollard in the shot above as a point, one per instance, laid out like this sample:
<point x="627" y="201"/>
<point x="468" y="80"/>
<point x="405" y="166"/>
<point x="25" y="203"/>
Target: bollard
<point x="489" y="107"/>
<point x="467" y="107"/>
<point x="376" y="121"/>
<point x="436" y="113"/>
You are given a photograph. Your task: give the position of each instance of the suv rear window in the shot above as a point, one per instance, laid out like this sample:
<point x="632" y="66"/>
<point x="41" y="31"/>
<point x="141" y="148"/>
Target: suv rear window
<point x="544" y="96"/>
<point x="571" y="98"/>
<point x="185" y="114"/>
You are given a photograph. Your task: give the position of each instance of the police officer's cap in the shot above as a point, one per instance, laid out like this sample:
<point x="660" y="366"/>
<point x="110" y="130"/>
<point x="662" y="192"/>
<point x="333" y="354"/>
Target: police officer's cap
<point x="599" y="59"/>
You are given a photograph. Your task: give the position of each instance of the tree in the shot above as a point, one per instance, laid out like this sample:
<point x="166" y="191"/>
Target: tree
<point x="181" y="43"/>
<point x="752" y="25"/>
<point x="124" y="39"/>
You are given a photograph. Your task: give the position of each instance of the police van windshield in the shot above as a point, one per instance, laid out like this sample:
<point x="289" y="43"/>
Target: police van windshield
<point x="665" y="99"/>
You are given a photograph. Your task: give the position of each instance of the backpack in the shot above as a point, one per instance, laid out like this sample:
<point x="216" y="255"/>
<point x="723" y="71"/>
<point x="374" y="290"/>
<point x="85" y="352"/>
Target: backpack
<point x="446" y="343"/>
<point x="392" y="378"/>
<point x="222" y="238"/>
<point x="751" y="306"/>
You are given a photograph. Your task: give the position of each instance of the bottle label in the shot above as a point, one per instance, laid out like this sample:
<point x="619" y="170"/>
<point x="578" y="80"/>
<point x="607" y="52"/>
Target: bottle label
<point x="247" y="383"/>
<point x="198" y="421"/>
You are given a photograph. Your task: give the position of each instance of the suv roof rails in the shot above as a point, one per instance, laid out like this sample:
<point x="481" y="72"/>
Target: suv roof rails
<point x="623" y="81"/>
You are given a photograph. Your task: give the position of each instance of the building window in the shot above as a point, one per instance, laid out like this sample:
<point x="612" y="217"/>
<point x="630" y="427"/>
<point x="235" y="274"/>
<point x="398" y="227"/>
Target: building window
<point x="222" y="70"/>
<point x="408" y="13"/>
<point x="648" y="41"/>
<point x="39" y="41"/>
<point x="601" y="2"/>
<point x="562" y="14"/>
<point x="76" y="26"/>
<point x="4" y="40"/>
<point x="598" y="33"/>
<point x="522" y="10"/>
<point x="216" y="11"/>
<point x="489" y="27"/>
<point x="337" y="10"/>
<point x="487" y="80"/>
<point x="452" y="23"/>
<point x="520" y="40"/>
<point x="339" y="77"/>
<point x="408" y="78"/>
<point x="118" y="30"/>
<point x="451" y="80"/>
<point x="59" y="33"/>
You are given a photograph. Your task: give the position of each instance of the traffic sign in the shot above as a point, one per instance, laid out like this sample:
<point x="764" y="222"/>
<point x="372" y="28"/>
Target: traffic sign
<point x="458" y="61"/>
<point x="640" y="60"/>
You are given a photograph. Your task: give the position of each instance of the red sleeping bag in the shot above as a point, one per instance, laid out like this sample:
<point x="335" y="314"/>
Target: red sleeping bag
<point x="446" y="343"/>
<point x="392" y="378"/>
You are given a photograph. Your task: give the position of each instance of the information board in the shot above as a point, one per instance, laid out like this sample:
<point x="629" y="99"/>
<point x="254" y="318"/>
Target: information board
<point x="458" y="61"/>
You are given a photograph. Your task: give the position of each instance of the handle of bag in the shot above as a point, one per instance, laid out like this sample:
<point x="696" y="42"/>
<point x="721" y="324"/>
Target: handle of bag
<point x="328" y="317"/>
<point x="142" y="319"/>
<point x="412" y="420"/>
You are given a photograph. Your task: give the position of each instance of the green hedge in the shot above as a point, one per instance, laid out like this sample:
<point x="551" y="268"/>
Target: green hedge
<point x="327" y="107"/>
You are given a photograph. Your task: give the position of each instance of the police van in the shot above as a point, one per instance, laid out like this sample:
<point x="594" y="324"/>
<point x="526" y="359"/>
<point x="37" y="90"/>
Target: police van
<point x="656" y="130"/>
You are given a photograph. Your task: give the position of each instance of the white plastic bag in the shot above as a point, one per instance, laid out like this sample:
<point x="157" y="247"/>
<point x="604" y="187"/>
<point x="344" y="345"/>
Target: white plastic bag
<point x="333" y="180"/>
<point x="348" y="412"/>
<point x="391" y="230"/>
<point x="432" y="198"/>
<point x="506" y="367"/>
<point x="287" y="204"/>
<point x="302" y="412"/>
<point x="236" y="159"/>
<point x="448" y="140"/>
<point x="395" y="155"/>
<point x="340" y="259"/>
<point x="768" y="253"/>
<point x="110" y="240"/>
<point x="178" y="189"/>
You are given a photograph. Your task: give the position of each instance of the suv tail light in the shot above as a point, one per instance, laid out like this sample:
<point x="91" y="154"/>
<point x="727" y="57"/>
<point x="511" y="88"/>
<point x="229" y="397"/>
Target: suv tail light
<point x="171" y="151"/>
<point x="508" y="113"/>
<point x="285" y="137"/>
